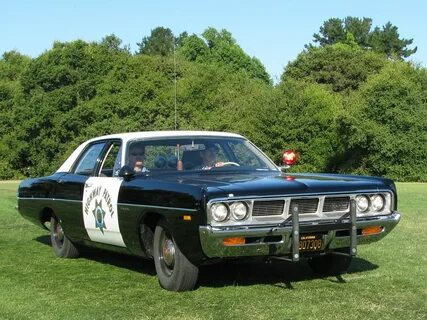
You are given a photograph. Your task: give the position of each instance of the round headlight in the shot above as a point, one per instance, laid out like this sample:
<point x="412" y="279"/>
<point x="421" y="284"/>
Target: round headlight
<point x="362" y="203"/>
<point x="219" y="212"/>
<point x="239" y="210"/>
<point x="378" y="202"/>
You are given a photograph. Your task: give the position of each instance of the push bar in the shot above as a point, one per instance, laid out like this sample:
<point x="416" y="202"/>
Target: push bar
<point x="353" y="230"/>
<point x="295" y="233"/>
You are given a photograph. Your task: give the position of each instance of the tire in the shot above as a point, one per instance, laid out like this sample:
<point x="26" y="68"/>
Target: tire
<point x="61" y="245"/>
<point x="330" y="264"/>
<point x="173" y="269"/>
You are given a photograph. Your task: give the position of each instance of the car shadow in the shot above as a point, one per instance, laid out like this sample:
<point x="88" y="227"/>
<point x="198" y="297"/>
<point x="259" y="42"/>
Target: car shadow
<point x="115" y="259"/>
<point x="278" y="273"/>
<point x="242" y="272"/>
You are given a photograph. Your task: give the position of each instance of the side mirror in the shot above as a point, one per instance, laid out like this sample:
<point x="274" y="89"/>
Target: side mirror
<point x="127" y="173"/>
<point x="289" y="158"/>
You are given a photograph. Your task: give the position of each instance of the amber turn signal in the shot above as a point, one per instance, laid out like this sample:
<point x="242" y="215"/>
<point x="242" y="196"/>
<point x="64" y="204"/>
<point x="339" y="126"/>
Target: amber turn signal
<point x="186" y="218"/>
<point x="372" y="230"/>
<point x="233" y="241"/>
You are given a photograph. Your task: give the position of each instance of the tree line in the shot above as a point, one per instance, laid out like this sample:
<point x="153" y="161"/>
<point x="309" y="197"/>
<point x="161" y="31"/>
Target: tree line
<point x="348" y="103"/>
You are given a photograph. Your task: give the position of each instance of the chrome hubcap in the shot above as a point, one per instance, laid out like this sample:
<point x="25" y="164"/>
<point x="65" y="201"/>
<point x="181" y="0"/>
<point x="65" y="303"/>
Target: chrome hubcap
<point x="168" y="252"/>
<point x="59" y="233"/>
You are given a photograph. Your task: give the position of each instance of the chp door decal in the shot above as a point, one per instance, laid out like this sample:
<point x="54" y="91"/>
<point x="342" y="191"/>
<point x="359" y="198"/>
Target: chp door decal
<point x="100" y="210"/>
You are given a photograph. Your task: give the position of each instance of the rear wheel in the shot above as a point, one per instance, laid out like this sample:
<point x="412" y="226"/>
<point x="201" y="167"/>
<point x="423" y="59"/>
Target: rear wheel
<point x="174" y="270"/>
<point x="330" y="264"/>
<point x="62" y="246"/>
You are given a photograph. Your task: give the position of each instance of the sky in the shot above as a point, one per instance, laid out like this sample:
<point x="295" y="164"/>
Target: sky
<point x="273" y="31"/>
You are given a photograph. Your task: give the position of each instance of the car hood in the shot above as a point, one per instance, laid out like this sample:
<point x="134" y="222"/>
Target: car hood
<point x="273" y="184"/>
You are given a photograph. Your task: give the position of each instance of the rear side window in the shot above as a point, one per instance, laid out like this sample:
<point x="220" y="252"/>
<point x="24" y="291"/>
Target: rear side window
<point x="88" y="161"/>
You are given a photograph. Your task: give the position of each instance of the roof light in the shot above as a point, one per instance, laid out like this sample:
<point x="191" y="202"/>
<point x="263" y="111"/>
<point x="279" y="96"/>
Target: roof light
<point x="289" y="157"/>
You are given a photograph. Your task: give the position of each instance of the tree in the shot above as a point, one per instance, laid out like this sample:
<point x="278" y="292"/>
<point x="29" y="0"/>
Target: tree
<point x="332" y="31"/>
<point x="385" y="40"/>
<point x="160" y="42"/>
<point x="193" y="48"/>
<point x="385" y="130"/>
<point x="360" y="29"/>
<point x="12" y="64"/>
<point x="346" y="109"/>
<point x="300" y="116"/>
<point x="112" y="42"/>
<point x="220" y="47"/>
<point x="342" y="67"/>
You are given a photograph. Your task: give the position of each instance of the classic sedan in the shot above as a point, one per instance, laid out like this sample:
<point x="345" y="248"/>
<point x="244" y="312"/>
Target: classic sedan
<point x="188" y="198"/>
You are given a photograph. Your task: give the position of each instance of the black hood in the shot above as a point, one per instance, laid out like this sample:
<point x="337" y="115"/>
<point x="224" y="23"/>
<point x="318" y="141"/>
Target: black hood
<point x="221" y="184"/>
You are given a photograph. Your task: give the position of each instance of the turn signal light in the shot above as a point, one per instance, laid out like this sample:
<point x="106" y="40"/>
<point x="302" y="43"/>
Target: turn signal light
<point x="372" y="230"/>
<point x="233" y="241"/>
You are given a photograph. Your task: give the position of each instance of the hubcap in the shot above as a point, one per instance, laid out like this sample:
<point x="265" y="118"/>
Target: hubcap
<point x="168" y="252"/>
<point x="59" y="233"/>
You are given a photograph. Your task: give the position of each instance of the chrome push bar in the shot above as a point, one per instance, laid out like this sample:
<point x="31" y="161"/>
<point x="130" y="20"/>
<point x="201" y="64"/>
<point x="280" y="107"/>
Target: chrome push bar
<point x="296" y="231"/>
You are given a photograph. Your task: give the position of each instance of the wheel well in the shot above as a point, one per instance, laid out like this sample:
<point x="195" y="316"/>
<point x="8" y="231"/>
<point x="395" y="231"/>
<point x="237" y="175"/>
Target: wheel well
<point x="146" y="231"/>
<point x="45" y="216"/>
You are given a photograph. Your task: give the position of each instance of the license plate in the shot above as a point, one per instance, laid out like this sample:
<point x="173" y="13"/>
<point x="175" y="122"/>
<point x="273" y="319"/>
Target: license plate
<point x="311" y="242"/>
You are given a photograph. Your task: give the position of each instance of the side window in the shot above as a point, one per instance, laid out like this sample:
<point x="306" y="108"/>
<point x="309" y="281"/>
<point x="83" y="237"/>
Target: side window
<point x="88" y="161"/>
<point x="111" y="164"/>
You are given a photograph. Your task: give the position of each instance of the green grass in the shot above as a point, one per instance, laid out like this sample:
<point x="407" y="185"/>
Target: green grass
<point x="388" y="280"/>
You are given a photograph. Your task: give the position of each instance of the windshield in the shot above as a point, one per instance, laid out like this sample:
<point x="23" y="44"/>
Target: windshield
<point x="196" y="154"/>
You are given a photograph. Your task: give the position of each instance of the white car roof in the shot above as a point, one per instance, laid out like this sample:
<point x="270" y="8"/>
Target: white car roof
<point x="125" y="137"/>
<point x="165" y="134"/>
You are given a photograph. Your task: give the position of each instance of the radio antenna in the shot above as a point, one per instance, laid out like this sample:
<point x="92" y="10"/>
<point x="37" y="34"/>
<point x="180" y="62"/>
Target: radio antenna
<point x="174" y="75"/>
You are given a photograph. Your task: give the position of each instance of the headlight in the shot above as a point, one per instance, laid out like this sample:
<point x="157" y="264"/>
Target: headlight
<point x="377" y="202"/>
<point x="362" y="203"/>
<point x="239" y="210"/>
<point x="219" y="212"/>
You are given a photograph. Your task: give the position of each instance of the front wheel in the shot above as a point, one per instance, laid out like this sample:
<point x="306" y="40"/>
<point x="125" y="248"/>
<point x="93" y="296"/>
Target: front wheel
<point x="173" y="269"/>
<point x="61" y="245"/>
<point x="331" y="264"/>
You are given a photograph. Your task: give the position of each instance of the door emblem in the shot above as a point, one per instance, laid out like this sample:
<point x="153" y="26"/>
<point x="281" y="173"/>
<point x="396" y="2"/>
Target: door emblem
<point x="95" y="200"/>
<point x="99" y="215"/>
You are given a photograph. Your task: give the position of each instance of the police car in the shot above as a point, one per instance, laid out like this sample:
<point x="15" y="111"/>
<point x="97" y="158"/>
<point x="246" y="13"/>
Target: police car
<point x="188" y="198"/>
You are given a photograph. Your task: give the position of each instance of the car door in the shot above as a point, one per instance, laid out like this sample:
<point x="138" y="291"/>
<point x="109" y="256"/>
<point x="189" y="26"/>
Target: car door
<point x="100" y="195"/>
<point x="69" y="190"/>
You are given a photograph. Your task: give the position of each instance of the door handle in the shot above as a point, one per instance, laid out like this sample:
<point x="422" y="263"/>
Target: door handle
<point x="88" y="185"/>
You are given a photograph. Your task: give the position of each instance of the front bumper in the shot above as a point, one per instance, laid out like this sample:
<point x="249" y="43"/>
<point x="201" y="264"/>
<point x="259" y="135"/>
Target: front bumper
<point x="277" y="240"/>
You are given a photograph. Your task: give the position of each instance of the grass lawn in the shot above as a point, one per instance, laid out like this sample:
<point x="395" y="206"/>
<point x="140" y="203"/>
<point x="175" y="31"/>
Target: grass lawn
<point x="388" y="279"/>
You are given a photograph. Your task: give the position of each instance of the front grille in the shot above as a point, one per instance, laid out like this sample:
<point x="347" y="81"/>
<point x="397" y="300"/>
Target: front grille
<point x="268" y="208"/>
<point x="304" y="205"/>
<point x="336" y="204"/>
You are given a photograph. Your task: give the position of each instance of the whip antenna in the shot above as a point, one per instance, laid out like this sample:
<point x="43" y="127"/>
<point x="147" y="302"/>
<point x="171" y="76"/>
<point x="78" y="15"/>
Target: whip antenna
<point x="174" y="74"/>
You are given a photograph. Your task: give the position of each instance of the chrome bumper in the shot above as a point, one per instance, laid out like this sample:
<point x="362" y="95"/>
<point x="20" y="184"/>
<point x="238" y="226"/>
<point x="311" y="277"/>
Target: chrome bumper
<point x="277" y="240"/>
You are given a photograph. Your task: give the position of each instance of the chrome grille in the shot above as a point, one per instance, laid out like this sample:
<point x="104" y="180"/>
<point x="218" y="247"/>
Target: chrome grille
<point x="268" y="208"/>
<point x="336" y="204"/>
<point x="305" y="205"/>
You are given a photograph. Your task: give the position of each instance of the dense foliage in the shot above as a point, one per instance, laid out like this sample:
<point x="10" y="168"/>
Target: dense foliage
<point x="382" y="40"/>
<point x="345" y="108"/>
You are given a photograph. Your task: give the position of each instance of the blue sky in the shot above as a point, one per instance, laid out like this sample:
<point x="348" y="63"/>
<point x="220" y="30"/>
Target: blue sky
<point x="273" y="31"/>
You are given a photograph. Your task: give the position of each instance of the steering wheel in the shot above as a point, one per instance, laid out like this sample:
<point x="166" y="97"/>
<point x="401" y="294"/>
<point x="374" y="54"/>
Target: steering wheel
<point x="226" y="164"/>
